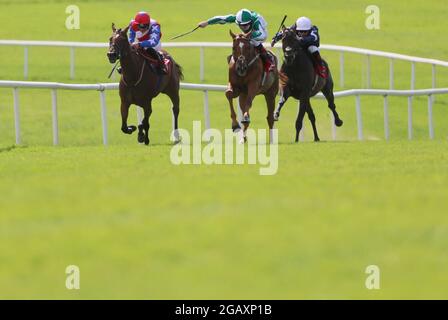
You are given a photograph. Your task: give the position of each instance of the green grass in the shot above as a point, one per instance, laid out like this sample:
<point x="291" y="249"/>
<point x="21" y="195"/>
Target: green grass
<point x="140" y="227"/>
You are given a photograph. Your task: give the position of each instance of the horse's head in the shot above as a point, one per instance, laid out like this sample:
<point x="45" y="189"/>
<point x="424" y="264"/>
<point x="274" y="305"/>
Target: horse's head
<point x="118" y="43"/>
<point x="290" y="45"/>
<point x="243" y="52"/>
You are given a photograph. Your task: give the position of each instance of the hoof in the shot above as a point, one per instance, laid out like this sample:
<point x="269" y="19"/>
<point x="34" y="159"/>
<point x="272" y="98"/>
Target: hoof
<point x="141" y="138"/>
<point x="129" y="129"/>
<point x="338" y="122"/>
<point x="316" y="140"/>
<point x="246" y="119"/>
<point x="243" y="140"/>
<point x="147" y="141"/>
<point x="236" y="128"/>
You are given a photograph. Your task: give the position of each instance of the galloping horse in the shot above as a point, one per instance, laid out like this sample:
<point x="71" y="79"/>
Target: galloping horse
<point x="140" y="82"/>
<point x="248" y="79"/>
<point x="299" y="80"/>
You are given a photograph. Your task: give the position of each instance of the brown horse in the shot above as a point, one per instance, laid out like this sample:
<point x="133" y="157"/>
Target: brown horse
<point x="247" y="79"/>
<point x="140" y="83"/>
<point x="298" y="79"/>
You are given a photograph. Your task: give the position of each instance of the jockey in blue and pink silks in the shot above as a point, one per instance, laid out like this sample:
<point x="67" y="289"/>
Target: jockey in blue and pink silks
<point x="145" y="32"/>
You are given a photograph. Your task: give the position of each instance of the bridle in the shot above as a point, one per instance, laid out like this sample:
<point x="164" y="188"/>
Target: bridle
<point x="241" y="60"/>
<point x="118" y="54"/>
<point x="290" y="51"/>
<point x="116" y="48"/>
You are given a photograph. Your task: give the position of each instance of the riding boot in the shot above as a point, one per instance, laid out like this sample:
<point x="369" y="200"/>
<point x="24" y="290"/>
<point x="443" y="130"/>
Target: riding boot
<point x="267" y="62"/>
<point x="320" y="66"/>
<point x="161" y="60"/>
<point x="162" y="64"/>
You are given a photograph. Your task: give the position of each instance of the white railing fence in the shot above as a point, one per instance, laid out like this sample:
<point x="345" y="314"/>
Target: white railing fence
<point x="202" y="45"/>
<point x="102" y="87"/>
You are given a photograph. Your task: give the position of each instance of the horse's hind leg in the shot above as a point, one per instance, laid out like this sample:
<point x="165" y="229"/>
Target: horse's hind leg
<point x="270" y="102"/>
<point x="312" y="119"/>
<point x="327" y="90"/>
<point x="300" y="116"/>
<point x="175" y="99"/>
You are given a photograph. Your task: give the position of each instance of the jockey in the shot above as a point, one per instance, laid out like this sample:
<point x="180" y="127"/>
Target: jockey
<point x="248" y="21"/>
<point x="145" y="33"/>
<point x="309" y="39"/>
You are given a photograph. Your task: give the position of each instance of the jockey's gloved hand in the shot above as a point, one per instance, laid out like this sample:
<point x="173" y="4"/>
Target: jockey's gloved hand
<point x="276" y="38"/>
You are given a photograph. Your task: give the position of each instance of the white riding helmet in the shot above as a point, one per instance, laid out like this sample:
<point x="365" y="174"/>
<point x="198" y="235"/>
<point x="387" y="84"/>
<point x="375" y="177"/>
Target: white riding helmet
<point x="303" y="24"/>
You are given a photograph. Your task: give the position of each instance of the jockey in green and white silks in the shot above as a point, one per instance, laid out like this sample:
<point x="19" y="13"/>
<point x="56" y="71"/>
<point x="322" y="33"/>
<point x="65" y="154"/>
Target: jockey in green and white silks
<point x="247" y="21"/>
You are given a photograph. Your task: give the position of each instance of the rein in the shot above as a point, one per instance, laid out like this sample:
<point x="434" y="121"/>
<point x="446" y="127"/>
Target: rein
<point x="142" y="53"/>
<point x="253" y="60"/>
<point x="139" y="80"/>
<point x="113" y="69"/>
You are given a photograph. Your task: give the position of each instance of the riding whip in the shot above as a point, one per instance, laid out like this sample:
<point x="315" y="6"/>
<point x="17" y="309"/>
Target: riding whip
<point x="186" y="33"/>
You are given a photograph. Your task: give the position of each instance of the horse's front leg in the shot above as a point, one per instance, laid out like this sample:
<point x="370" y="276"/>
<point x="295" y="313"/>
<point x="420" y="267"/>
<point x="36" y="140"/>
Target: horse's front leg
<point x="246" y="102"/>
<point x="230" y="95"/>
<point x="312" y="119"/>
<point x="284" y="95"/>
<point x="143" y="128"/>
<point x="124" y="118"/>
<point x="245" y="105"/>
<point x="270" y="102"/>
<point x="300" y="116"/>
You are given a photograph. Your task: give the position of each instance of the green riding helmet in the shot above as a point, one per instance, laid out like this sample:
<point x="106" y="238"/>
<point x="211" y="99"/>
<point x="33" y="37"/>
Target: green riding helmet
<point x="244" y="19"/>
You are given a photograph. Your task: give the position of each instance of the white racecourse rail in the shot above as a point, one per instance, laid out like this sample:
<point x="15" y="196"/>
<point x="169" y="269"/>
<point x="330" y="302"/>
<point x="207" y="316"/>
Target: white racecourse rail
<point x="357" y="93"/>
<point x="202" y="45"/>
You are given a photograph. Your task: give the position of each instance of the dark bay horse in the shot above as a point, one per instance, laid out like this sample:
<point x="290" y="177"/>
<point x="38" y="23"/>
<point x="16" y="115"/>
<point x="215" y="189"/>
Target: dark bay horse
<point x="140" y="83"/>
<point x="298" y="79"/>
<point x="247" y="79"/>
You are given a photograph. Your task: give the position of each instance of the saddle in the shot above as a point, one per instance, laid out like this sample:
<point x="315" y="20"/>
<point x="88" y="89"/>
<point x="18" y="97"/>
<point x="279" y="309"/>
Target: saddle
<point x="155" y="59"/>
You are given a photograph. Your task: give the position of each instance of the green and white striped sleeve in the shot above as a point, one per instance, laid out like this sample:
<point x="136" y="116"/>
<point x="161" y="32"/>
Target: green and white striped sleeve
<point x="222" y="19"/>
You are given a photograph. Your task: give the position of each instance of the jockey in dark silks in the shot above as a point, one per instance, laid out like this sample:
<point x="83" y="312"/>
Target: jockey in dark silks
<point x="248" y="21"/>
<point x="308" y="36"/>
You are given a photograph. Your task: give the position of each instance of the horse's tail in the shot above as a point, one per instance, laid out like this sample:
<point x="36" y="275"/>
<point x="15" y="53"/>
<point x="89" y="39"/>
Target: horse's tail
<point x="180" y="72"/>
<point x="283" y="79"/>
